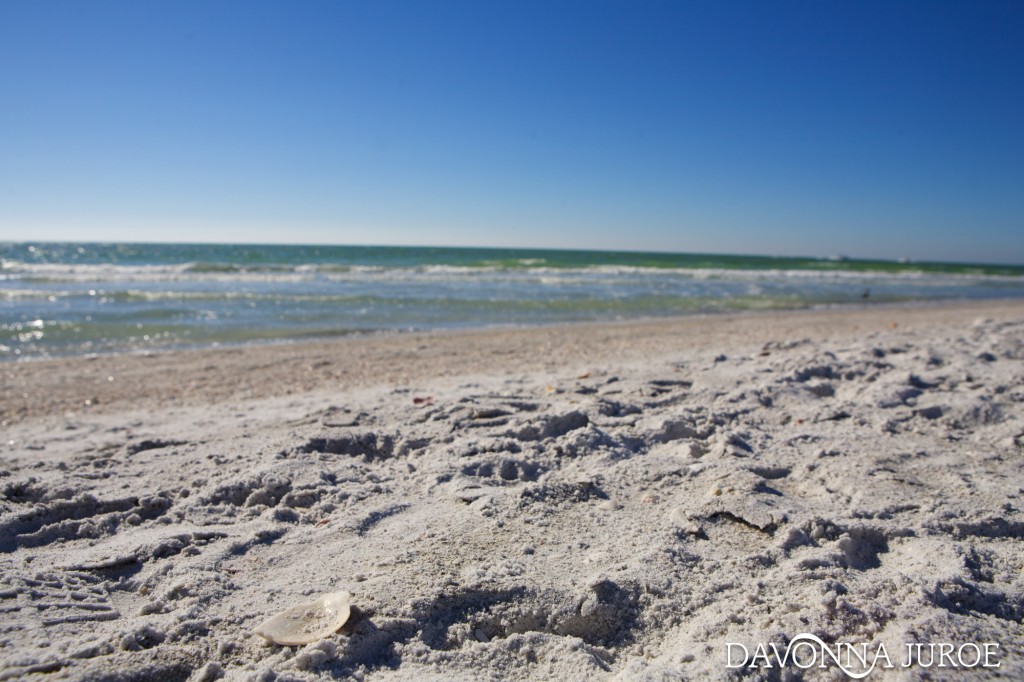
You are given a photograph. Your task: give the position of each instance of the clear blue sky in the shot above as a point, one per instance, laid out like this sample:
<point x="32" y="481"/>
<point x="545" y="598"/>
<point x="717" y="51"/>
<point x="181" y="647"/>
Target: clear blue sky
<point x="874" y="129"/>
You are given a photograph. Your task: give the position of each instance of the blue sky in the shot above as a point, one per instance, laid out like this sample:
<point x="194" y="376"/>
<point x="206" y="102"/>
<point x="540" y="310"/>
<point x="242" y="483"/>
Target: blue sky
<point x="873" y="129"/>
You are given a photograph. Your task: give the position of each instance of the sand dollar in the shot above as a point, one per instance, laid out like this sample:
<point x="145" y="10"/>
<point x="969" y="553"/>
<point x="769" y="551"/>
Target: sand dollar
<point x="307" y="623"/>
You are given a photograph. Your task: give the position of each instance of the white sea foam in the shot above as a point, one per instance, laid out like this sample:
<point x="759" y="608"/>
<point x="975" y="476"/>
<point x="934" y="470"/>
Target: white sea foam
<point x="13" y="270"/>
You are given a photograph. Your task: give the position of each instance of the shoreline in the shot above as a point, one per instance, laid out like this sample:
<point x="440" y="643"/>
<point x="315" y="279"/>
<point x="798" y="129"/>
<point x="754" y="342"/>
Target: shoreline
<point x="54" y="386"/>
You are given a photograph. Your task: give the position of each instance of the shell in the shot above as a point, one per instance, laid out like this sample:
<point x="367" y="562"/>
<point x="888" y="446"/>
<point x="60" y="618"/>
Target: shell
<point x="307" y="623"/>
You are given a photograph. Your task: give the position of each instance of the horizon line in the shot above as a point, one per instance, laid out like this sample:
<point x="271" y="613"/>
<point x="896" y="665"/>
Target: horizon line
<point x="836" y="257"/>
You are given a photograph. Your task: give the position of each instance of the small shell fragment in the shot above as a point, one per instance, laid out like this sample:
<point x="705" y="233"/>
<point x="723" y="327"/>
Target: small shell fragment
<point x="681" y="519"/>
<point x="307" y="623"/>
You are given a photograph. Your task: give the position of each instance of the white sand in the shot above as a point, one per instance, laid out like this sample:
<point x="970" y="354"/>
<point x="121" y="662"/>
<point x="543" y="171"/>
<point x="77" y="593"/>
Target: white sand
<point x="589" y="502"/>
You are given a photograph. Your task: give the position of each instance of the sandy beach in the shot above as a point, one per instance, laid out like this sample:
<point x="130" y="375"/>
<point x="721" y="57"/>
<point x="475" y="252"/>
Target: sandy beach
<point x="598" y="501"/>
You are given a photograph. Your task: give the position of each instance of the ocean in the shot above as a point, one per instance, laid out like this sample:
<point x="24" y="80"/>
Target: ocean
<point x="59" y="299"/>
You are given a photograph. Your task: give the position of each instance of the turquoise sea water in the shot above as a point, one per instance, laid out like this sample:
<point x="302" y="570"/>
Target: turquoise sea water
<point x="69" y="299"/>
